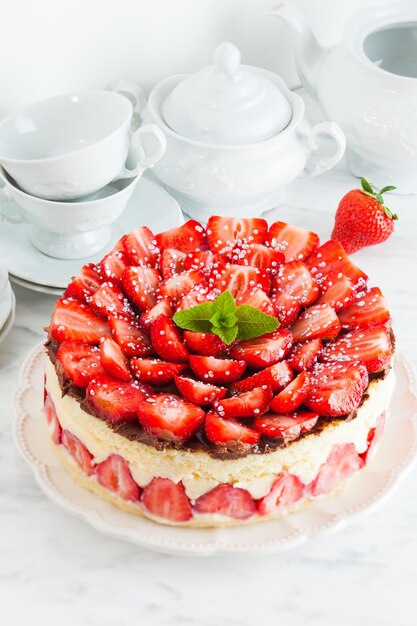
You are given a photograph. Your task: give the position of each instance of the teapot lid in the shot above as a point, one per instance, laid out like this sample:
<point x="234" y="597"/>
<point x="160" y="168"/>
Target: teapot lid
<point x="227" y="103"/>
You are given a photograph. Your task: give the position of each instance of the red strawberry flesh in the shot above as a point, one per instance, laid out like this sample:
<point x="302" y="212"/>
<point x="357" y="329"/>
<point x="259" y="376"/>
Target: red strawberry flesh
<point x="373" y="346"/>
<point x="167" y="500"/>
<point x="169" y="417"/>
<point x="249" y="404"/>
<point x="227" y="432"/>
<point x="73" y="320"/>
<point x="217" y="371"/>
<point x="116" y="400"/>
<point x="264" y="351"/>
<point x="228" y="501"/>
<point x="336" y="388"/>
<point x="156" y="372"/>
<point x="202" y="394"/>
<point x="293" y="396"/>
<point x="114" y="474"/>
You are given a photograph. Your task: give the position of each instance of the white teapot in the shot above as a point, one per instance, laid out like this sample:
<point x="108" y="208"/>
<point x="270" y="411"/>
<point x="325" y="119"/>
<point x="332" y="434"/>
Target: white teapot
<point x="236" y="136"/>
<point x="367" y="84"/>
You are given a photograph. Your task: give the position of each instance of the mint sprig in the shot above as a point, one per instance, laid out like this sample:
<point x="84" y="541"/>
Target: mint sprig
<point x="224" y="318"/>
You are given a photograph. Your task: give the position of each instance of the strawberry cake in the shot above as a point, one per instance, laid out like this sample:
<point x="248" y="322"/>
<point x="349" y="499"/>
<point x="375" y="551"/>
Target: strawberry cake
<point x="218" y="376"/>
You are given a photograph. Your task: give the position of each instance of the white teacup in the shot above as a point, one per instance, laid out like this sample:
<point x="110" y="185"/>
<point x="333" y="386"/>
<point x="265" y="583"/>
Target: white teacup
<point x="69" y="146"/>
<point x="66" y="230"/>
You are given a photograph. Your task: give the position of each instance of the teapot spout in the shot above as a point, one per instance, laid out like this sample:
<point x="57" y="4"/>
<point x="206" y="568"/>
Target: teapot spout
<point x="308" y="52"/>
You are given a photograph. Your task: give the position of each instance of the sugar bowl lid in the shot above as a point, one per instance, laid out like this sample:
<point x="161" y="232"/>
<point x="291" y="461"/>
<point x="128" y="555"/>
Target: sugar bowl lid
<point x="227" y="103"/>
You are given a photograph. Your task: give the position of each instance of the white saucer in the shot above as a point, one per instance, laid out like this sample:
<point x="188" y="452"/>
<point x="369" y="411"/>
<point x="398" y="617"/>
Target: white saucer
<point x="149" y="205"/>
<point x="5" y="329"/>
<point x="6" y="301"/>
<point x="395" y="454"/>
<point x="52" y="291"/>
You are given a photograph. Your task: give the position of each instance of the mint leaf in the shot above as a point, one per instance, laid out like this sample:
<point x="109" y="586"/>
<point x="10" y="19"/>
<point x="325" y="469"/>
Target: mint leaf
<point x="223" y="318"/>
<point x="254" y="323"/>
<point x="224" y="310"/>
<point x="197" y="318"/>
<point x="387" y="188"/>
<point x="227" y="335"/>
<point x="366" y="186"/>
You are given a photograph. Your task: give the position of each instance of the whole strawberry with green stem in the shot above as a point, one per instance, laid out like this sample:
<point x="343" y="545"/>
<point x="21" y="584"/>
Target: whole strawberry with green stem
<point x="362" y="219"/>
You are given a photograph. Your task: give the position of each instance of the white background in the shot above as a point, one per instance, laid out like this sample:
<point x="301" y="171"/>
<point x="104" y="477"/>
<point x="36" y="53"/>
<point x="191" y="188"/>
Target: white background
<point x="55" y="46"/>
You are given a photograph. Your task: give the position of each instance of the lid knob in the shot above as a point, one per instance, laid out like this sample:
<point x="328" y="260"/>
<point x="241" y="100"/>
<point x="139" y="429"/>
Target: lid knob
<point x="226" y="58"/>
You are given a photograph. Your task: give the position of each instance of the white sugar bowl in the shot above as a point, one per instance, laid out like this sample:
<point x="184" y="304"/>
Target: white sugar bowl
<point x="236" y="136"/>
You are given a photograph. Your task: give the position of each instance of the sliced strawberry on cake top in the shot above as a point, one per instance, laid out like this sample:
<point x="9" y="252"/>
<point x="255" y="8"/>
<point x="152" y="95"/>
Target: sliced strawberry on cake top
<point x="304" y="355"/>
<point x="189" y="237"/>
<point x="167" y="341"/>
<point x="295" y="243"/>
<point x="109" y="300"/>
<point x="156" y="372"/>
<point x="116" y="400"/>
<point x="217" y="371"/>
<point x="248" y="404"/>
<point x="113" y="361"/>
<point x="239" y="279"/>
<point x="373" y="346"/>
<point x="140" y="247"/>
<point x="227" y="432"/>
<point x="172" y="262"/>
<point x="81" y="362"/>
<point x="276" y="377"/>
<point x="317" y="322"/>
<point x="225" y="232"/>
<point x="114" y="263"/>
<point x="170" y="417"/>
<point x="130" y="337"/>
<point x="369" y="309"/>
<point x="330" y="262"/>
<point x="287" y="427"/>
<point x="338" y="295"/>
<point x="73" y="320"/>
<point x="293" y="396"/>
<point x="87" y="281"/>
<point x="258" y="255"/>
<point x="336" y="388"/>
<point x="197" y="392"/>
<point x="180" y="285"/>
<point x="205" y="344"/>
<point x="140" y="285"/>
<point x="265" y="350"/>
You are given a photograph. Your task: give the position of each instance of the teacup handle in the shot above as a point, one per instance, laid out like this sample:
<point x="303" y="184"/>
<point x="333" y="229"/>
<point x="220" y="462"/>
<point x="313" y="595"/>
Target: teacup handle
<point x="9" y="211"/>
<point x="134" y="94"/>
<point x="145" y="159"/>
<point x="332" y="130"/>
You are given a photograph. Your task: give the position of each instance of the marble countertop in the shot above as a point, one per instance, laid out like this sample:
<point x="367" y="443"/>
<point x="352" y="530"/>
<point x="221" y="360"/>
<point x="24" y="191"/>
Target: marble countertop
<point x="56" y="569"/>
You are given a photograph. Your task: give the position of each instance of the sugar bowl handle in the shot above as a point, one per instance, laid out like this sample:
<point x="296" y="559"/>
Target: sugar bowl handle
<point x="329" y="129"/>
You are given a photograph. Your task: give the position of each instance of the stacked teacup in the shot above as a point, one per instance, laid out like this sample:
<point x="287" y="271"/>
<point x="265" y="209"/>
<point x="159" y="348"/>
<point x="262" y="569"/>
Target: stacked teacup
<point x="70" y="163"/>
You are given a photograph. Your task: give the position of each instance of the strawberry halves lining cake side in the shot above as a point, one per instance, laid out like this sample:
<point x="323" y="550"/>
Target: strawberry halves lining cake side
<point x="158" y="401"/>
